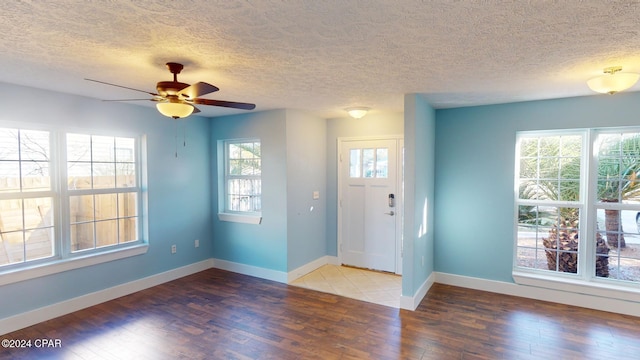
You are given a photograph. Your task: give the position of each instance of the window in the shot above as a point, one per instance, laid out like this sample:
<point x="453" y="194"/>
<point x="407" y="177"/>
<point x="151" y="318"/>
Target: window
<point x="102" y="191"/>
<point x="369" y="163"/>
<point x="242" y="178"/>
<point x="66" y="195"/>
<point x="578" y="205"/>
<point x="26" y="197"/>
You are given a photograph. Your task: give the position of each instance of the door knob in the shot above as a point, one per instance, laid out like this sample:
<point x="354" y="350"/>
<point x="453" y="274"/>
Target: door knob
<point x="391" y="213"/>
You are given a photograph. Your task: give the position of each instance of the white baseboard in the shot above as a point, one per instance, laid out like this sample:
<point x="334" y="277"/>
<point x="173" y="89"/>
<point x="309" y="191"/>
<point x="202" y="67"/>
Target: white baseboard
<point x="309" y="267"/>
<point x="544" y="294"/>
<point x="49" y="312"/>
<point x="412" y="302"/>
<point x="255" y="271"/>
<point x="274" y="275"/>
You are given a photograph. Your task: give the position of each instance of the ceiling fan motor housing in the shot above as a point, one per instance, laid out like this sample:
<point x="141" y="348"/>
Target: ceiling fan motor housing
<point x="167" y="88"/>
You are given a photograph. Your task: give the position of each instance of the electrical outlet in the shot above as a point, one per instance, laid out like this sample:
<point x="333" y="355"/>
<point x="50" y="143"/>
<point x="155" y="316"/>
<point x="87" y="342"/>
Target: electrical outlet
<point x="197" y="243"/>
<point x="174" y="249"/>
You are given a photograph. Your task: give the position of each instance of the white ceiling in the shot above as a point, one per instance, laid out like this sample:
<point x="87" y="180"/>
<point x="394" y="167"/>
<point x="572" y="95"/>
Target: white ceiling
<point x="321" y="56"/>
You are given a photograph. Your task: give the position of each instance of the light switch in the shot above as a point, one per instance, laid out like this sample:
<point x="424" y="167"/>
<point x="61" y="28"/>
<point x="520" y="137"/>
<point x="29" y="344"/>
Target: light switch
<point x="316" y="195"/>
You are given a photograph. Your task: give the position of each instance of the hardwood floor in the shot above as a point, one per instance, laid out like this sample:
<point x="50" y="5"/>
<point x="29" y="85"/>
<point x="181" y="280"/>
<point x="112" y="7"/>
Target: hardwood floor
<point x="222" y="315"/>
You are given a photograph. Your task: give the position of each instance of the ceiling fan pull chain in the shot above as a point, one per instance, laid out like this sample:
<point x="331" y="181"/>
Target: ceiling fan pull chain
<point x="176" y="139"/>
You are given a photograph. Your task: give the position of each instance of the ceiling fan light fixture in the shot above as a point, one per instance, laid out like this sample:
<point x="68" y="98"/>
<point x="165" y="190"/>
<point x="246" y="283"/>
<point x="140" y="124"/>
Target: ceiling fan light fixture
<point x="357" y="112"/>
<point x="175" y="110"/>
<point x="613" y="81"/>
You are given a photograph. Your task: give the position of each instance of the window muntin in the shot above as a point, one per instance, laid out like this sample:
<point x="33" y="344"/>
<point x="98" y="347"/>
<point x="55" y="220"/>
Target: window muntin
<point x="559" y="203"/>
<point x="39" y="220"/>
<point x="243" y="176"/>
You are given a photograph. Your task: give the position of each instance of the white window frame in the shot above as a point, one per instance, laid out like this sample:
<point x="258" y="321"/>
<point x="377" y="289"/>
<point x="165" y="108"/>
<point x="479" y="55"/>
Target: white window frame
<point x="64" y="259"/>
<point x="224" y="212"/>
<point x="585" y="281"/>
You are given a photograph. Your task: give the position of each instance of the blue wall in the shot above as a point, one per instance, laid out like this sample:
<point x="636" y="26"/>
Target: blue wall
<point x="419" y="130"/>
<point x="293" y="167"/>
<point x="263" y="245"/>
<point x="474" y="174"/>
<point x="178" y="213"/>
<point x="306" y="173"/>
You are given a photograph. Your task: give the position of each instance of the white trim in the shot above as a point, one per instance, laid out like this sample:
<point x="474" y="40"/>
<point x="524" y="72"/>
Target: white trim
<point x="311" y="266"/>
<point x="240" y="218"/>
<point x="566" y="284"/>
<point x="255" y="271"/>
<point x="400" y="206"/>
<point x="48" y="312"/>
<point x="412" y="302"/>
<point x="54" y="267"/>
<point x="544" y="294"/>
<point x="371" y="137"/>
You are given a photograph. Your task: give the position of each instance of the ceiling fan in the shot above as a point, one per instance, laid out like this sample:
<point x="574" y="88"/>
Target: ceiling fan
<point x="177" y="100"/>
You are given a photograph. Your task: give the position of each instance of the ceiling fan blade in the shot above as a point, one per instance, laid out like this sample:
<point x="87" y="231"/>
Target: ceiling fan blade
<point x="197" y="89"/>
<point x="120" y="86"/>
<point x="229" y="104"/>
<point x="195" y="110"/>
<point x="131" y="100"/>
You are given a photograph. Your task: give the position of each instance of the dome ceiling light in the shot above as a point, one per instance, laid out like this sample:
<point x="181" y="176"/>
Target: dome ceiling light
<point x="613" y="81"/>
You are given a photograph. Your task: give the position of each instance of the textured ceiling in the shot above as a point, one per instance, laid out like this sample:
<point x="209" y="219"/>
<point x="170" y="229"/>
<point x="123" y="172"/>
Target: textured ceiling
<point x="322" y="56"/>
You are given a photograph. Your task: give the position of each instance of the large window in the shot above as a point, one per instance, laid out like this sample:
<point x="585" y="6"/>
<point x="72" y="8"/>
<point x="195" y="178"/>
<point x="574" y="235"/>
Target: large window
<point x="65" y="195"/>
<point x="578" y="205"/>
<point x="243" y="182"/>
<point x="102" y="191"/>
<point x="27" y="198"/>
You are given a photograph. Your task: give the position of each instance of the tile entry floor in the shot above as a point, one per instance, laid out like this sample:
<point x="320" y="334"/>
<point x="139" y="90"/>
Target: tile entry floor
<point x="371" y="286"/>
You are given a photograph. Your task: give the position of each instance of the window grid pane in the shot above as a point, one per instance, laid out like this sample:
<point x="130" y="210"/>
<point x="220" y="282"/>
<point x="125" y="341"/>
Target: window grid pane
<point x="26" y="213"/>
<point x="550" y="168"/>
<point x="107" y="164"/>
<point x="243" y="176"/>
<point x="549" y="235"/>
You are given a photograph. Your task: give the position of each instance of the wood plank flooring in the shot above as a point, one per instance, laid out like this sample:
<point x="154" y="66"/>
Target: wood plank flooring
<point x="222" y="315"/>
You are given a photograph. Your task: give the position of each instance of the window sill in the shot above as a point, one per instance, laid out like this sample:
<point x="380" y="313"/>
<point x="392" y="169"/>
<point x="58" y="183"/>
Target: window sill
<point x="579" y="286"/>
<point x="240" y="218"/>
<point x="57" y="266"/>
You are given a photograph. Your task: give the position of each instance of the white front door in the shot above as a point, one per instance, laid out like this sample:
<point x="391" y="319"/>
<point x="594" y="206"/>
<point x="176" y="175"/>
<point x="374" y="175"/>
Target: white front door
<point x="369" y="204"/>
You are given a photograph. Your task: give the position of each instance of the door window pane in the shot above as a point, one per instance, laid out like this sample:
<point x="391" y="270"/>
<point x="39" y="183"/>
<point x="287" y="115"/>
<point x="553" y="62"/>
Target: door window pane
<point x="382" y="163"/>
<point x="368" y="163"/>
<point x="354" y="163"/>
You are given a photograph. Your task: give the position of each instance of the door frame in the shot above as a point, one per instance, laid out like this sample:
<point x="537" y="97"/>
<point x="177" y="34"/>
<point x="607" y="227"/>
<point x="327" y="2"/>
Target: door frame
<point x="399" y="190"/>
